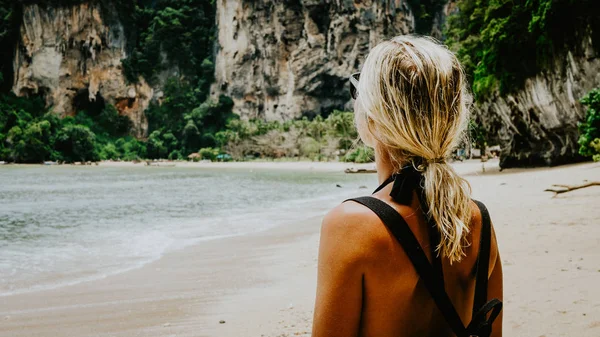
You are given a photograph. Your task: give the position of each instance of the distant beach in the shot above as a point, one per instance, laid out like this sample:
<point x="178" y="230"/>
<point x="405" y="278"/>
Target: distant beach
<point x="471" y="166"/>
<point x="255" y="164"/>
<point x="263" y="283"/>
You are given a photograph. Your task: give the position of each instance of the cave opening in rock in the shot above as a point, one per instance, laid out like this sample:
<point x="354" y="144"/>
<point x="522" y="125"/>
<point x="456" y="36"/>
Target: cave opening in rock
<point x="82" y="102"/>
<point x="331" y="87"/>
<point x="39" y="96"/>
<point x="318" y="14"/>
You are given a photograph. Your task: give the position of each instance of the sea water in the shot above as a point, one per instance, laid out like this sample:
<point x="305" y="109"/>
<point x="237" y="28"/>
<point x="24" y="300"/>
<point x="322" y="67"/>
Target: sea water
<point x="62" y="225"/>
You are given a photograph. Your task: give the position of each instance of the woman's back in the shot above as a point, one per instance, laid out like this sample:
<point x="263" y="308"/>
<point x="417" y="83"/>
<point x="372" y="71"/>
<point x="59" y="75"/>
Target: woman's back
<point x="394" y="301"/>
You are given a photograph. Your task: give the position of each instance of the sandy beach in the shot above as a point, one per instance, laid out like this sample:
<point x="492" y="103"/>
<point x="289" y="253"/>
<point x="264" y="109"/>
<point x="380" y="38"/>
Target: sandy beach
<point x="263" y="284"/>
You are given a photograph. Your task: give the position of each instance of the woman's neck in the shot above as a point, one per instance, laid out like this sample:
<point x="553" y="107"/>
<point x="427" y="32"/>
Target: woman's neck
<point x="384" y="167"/>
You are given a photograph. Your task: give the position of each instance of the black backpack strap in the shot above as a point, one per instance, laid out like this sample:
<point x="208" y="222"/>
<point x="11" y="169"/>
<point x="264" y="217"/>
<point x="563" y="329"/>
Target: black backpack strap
<point x="483" y="260"/>
<point x="480" y="324"/>
<point x="434" y="239"/>
<point x="401" y="231"/>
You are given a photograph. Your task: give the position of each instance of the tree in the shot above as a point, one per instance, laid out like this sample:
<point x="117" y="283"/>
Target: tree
<point x="209" y="153"/>
<point x="361" y="154"/>
<point x="184" y="31"/>
<point x="478" y="136"/>
<point x="109" y="151"/>
<point x="30" y="145"/>
<point x="114" y="124"/>
<point x="342" y="126"/>
<point x="589" y="140"/>
<point x="191" y="136"/>
<point x="76" y="143"/>
<point x="131" y="148"/>
<point x="156" y="146"/>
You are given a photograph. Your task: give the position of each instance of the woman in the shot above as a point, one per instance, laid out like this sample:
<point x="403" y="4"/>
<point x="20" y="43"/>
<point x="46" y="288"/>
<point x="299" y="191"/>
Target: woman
<point x="411" y="106"/>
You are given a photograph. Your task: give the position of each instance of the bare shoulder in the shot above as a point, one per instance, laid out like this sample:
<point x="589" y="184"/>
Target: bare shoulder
<point x="357" y="226"/>
<point x="475" y="216"/>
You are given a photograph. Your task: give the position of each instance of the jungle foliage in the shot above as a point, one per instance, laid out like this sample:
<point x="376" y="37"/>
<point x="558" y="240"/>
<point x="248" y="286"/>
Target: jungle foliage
<point x="589" y="140"/>
<point x="334" y="137"/>
<point x="502" y="42"/>
<point x="168" y="39"/>
<point x="31" y="134"/>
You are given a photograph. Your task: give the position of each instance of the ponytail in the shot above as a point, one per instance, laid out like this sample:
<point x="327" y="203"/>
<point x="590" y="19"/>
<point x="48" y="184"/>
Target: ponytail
<point x="449" y="205"/>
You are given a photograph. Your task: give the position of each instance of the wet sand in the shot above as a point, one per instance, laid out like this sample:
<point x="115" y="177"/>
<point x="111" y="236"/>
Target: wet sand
<point x="263" y="284"/>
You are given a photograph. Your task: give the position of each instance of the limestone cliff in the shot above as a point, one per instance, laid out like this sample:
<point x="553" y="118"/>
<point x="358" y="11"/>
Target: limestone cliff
<point x="280" y="59"/>
<point x="72" y="56"/>
<point x="537" y="125"/>
<point x="440" y="17"/>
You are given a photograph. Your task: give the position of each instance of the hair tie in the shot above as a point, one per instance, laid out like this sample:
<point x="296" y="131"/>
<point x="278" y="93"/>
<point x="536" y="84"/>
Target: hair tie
<point x="421" y="163"/>
<point x="436" y="161"/>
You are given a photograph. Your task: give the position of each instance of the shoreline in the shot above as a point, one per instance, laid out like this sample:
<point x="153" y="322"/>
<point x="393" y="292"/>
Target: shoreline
<point x="263" y="283"/>
<point x="258" y="165"/>
<point x="465" y="167"/>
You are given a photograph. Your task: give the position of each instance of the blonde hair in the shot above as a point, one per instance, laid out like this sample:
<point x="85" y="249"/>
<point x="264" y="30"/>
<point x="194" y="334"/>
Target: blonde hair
<point x="412" y="94"/>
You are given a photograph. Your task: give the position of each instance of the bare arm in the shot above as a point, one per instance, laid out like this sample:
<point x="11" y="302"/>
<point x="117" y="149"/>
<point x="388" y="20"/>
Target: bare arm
<point x="340" y="277"/>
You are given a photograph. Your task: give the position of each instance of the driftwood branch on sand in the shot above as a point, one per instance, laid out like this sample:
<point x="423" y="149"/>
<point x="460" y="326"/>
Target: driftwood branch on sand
<point x="359" y="170"/>
<point x="568" y="188"/>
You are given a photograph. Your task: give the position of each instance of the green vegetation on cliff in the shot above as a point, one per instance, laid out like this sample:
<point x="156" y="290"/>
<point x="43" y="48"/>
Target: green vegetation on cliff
<point x="182" y="124"/>
<point x="502" y="42"/>
<point x="30" y="134"/>
<point x="175" y="39"/>
<point x="321" y="138"/>
<point x="589" y="141"/>
<point x="175" y="36"/>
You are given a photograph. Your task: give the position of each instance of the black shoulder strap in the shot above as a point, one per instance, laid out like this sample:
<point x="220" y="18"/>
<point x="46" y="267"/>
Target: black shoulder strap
<point x="483" y="260"/>
<point x="401" y="231"/>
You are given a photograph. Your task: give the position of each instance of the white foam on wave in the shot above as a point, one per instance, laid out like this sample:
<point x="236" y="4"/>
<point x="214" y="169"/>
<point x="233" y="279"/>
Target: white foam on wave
<point x="136" y="250"/>
<point x="147" y="248"/>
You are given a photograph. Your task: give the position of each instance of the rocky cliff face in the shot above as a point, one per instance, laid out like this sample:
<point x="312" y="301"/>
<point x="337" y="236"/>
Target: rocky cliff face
<point x="439" y="18"/>
<point x="72" y="56"/>
<point x="281" y="59"/>
<point x="537" y="125"/>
